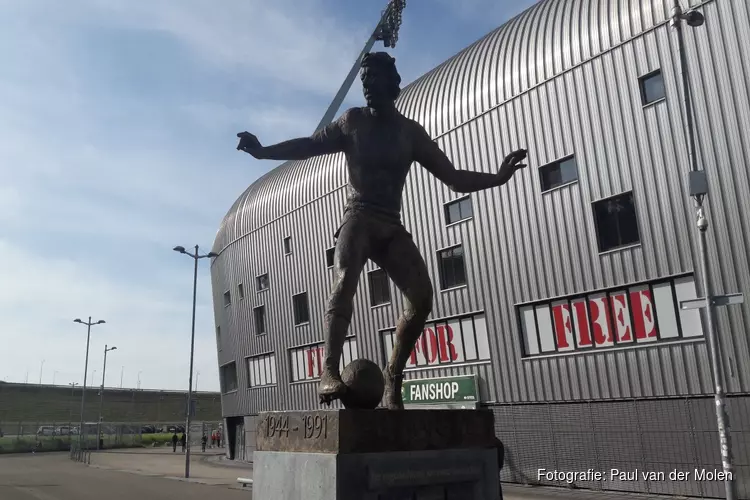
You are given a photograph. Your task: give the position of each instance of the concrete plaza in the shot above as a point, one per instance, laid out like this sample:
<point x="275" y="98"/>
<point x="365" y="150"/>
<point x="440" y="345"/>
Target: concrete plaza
<point x="151" y="474"/>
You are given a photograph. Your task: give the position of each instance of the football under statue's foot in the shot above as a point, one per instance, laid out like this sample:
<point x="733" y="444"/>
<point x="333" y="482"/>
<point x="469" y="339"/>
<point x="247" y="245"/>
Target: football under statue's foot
<point x="392" y="394"/>
<point x="330" y="388"/>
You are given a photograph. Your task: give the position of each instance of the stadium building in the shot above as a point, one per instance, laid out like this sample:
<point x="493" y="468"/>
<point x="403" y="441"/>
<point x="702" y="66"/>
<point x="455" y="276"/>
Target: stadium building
<point x="557" y="296"/>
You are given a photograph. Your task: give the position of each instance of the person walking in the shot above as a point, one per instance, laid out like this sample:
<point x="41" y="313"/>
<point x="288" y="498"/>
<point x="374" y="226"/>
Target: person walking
<point x="204" y="440"/>
<point x="174" y="442"/>
<point x="183" y="441"/>
<point x="213" y="439"/>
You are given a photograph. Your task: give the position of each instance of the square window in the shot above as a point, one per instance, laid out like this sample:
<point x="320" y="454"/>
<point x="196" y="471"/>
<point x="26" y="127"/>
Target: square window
<point x="329" y="256"/>
<point x="558" y="173"/>
<point x="227" y="299"/>
<point x="287" y="245"/>
<point x="261" y="370"/>
<point x="301" y="311"/>
<point x="380" y="290"/>
<point x="451" y="267"/>
<point x="652" y="87"/>
<point x="458" y="210"/>
<point x="261" y="282"/>
<point x="241" y="291"/>
<point x="228" y="378"/>
<point x="260" y="320"/>
<point x="616" y="222"/>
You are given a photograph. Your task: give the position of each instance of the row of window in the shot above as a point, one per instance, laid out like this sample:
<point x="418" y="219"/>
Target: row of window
<point x="616" y="225"/>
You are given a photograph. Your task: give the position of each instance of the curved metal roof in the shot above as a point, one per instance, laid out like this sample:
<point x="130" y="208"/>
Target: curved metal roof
<point x="544" y="41"/>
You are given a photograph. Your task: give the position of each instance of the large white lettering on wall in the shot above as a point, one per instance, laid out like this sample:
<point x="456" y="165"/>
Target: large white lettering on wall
<point x="462" y="339"/>
<point x="307" y="361"/>
<point x="637" y="314"/>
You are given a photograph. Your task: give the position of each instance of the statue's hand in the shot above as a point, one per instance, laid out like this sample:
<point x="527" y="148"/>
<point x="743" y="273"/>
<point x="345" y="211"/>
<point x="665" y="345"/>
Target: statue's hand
<point x="511" y="164"/>
<point x="249" y="143"/>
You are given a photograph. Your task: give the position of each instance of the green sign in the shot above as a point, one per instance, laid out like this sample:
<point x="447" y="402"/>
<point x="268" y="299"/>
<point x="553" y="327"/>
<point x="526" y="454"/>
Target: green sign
<point x="440" y="390"/>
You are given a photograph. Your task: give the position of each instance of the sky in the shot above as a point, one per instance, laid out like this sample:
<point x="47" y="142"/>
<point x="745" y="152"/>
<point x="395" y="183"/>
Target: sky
<point x="118" y="122"/>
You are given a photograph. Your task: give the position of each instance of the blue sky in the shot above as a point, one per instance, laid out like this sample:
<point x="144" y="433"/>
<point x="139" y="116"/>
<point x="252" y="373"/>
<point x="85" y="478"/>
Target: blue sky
<point x="117" y="142"/>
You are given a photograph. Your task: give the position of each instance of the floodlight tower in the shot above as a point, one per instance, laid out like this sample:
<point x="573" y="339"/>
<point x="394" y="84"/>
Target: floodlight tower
<point x="385" y="31"/>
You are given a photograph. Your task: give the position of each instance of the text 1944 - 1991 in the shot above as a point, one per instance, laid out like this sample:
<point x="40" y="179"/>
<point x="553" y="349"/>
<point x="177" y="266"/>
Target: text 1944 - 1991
<point x="313" y="426"/>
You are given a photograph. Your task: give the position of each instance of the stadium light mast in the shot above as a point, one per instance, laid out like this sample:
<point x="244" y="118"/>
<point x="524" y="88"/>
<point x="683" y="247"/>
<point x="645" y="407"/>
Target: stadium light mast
<point x="385" y="31"/>
<point x="88" y="324"/>
<point x="101" y="398"/>
<point x="196" y="257"/>
<point x="698" y="190"/>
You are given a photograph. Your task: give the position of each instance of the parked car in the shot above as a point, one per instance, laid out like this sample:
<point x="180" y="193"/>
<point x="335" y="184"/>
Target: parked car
<point x="148" y="429"/>
<point x="63" y="430"/>
<point x="45" y="430"/>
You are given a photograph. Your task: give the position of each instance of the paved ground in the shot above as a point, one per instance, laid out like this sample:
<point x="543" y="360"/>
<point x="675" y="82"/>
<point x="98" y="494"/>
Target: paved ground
<point x="157" y="474"/>
<point x="52" y="476"/>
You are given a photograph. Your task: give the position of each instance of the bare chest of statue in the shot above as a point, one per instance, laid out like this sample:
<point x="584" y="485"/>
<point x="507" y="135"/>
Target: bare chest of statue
<point x="379" y="154"/>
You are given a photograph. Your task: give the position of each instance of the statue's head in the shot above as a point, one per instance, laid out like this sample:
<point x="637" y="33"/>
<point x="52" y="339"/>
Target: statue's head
<point x="380" y="79"/>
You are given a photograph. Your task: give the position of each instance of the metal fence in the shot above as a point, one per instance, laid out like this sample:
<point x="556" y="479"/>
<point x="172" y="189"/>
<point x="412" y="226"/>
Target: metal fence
<point x="32" y="437"/>
<point x="638" y="436"/>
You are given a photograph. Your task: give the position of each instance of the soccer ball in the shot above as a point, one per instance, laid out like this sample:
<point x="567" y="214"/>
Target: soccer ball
<point x="365" y="385"/>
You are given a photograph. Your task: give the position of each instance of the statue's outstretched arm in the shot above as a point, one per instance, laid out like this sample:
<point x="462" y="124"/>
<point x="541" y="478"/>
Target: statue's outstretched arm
<point x="432" y="158"/>
<point x="328" y="140"/>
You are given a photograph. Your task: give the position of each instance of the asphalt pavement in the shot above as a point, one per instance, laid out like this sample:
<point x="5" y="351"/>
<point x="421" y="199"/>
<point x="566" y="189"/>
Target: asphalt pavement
<point x="53" y="476"/>
<point x="158" y="473"/>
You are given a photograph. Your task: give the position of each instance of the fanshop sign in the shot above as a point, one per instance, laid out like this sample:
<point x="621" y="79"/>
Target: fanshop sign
<point x="461" y="339"/>
<point x="638" y="314"/>
<point x="440" y="390"/>
<point x="307" y="361"/>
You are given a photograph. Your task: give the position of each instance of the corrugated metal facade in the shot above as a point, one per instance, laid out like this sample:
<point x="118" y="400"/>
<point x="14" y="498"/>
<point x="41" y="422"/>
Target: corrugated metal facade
<point x="560" y="79"/>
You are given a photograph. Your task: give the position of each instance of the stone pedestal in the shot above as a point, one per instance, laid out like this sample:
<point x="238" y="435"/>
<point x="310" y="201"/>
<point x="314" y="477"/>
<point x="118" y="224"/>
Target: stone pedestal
<point x="376" y="455"/>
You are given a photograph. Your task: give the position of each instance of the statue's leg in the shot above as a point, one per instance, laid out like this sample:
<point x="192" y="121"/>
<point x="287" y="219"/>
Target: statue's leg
<point x="349" y="259"/>
<point x="401" y="259"/>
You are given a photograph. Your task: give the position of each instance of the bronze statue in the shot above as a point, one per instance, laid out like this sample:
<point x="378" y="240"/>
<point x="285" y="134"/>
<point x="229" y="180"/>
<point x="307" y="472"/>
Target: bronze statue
<point x="380" y="145"/>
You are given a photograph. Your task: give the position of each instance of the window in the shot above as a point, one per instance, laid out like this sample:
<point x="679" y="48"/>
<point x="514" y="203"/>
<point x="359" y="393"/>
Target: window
<point x="301" y="311"/>
<point x="261" y="282"/>
<point x="261" y="370"/>
<point x="218" y="337"/>
<point x="228" y="378"/>
<point x="652" y="87"/>
<point x="260" y="320"/>
<point x="241" y="291"/>
<point x="287" y="245"/>
<point x="458" y="210"/>
<point x="329" y="256"/>
<point x="452" y="271"/>
<point x="624" y="316"/>
<point x="307" y="361"/>
<point x="450" y="341"/>
<point x="380" y="290"/>
<point x="616" y="222"/>
<point x="227" y="299"/>
<point x="558" y="173"/>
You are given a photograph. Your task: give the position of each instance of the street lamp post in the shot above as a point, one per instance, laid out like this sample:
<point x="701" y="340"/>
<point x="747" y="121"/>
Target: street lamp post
<point x="41" y="370"/>
<point x="698" y="184"/>
<point x="101" y="398"/>
<point x="195" y="256"/>
<point x="88" y="324"/>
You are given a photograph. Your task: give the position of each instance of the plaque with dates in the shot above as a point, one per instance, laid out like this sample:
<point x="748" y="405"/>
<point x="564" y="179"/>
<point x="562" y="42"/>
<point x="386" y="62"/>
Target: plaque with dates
<point x="374" y="431"/>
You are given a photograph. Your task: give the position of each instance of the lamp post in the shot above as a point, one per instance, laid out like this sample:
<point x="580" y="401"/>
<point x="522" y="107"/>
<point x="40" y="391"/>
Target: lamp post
<point x="101" y="398"/>
<point x="88" y="324"/>
<point x="698" y="190"/>
<point x="196" y="257"/>
<point x="197" y="374"/>
<point x="41" y="370"/>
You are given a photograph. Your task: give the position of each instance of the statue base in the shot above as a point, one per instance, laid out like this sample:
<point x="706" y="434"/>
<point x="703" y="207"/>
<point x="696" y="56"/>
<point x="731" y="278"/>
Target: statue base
<point x="376" y="455"/>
